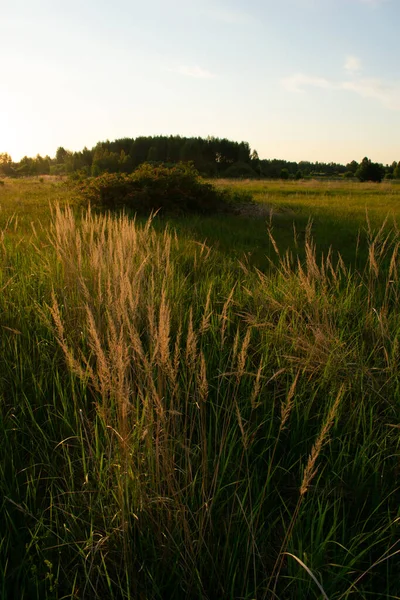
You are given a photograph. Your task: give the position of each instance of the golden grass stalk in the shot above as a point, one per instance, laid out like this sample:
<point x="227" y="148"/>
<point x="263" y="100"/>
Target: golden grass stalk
<point x="202" y="381"/>
<point x="191" y="343"/>
<point x="207" y="313"/>
<point x="242" y="356"/>
<point x="308" y="475"/>
<point x="311" y="468"/>
<point x="287" y="406"/>
<point x="224" y="315"/>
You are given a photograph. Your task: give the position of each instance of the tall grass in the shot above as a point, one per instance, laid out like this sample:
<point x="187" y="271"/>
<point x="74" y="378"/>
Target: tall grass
<point x="175" y="426"/>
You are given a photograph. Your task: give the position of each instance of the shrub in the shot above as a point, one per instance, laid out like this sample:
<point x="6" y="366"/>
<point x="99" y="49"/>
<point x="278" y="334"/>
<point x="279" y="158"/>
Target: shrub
<point x="235" y="196"/>
<point x="240" y="169"/>
<point x="177" y="189"/>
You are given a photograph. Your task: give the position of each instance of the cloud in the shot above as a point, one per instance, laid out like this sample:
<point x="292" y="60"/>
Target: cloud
<point x="352" y="64"/>
<point x="388" y="94"/>
<point x="297" y="83"/>
<point x="194" y="71"/>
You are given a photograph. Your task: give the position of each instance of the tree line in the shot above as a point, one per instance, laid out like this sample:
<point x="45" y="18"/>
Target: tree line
<point x="212" y="157"/>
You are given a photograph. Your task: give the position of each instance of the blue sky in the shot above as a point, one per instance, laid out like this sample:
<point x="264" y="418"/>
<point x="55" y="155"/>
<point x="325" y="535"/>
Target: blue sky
<point x="298" y="79"/>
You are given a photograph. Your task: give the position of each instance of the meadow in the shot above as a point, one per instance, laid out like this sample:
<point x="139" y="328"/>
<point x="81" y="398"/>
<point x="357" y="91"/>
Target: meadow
<point x="200" y="407"/>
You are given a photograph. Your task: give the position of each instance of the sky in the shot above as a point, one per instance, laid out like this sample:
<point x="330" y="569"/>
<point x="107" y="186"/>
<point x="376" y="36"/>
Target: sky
<point x="296" y="79"/>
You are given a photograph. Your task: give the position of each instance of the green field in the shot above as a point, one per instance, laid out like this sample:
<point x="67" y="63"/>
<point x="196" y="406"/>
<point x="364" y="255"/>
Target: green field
<point x="338" y="211"/>
<point x="204" y="407"/>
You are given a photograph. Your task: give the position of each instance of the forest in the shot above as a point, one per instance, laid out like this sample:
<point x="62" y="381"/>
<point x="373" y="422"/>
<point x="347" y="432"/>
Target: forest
<point x="211" y="156"/>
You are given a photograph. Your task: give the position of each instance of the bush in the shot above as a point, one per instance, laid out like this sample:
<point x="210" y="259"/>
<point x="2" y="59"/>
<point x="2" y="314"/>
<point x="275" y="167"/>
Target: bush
<point x="239" y="170"/>
<point x="236" y="196"/>
<point x="177" y="189"/>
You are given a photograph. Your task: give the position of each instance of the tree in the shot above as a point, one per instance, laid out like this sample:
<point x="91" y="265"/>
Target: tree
<point x="61" y="155"/>
<point x="352" y="166"/>
<point x="284" y="174"/>
<point x="152" y="154"/>
<point x="125" y="162"/>
<point x="6" y="165"/>
<point x="369" y="171"/>
<point x="254" y="157"/>
<point x="5" y="158"/>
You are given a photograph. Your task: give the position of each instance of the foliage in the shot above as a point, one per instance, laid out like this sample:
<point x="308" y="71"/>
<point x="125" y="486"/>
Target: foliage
<point x="370" y="171"/>
<point x="211" y="156"/>
<point x="240" y="170"/>
<point x="57" y="170"/>
<point x="61" y="155"/>
<point x="177" y="189"/>
<point x="6" y="165"/>
<point x="352" y="166"/>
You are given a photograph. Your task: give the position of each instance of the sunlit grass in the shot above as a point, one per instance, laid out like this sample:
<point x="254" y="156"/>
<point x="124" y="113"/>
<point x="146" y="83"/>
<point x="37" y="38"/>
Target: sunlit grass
<point x="27" y="200"/>
<point x="178" y="424"/>
<point x="333" y="200"/>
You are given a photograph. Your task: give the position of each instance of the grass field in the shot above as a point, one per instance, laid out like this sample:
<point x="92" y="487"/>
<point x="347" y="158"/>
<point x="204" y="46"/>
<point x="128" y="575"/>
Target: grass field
<point x="338" y="211"/>
<point x="188" y="411"/>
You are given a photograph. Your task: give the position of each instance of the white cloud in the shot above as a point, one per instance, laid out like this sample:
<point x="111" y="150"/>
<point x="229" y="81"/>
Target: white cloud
<point x="388" y="94"/>
<point x="352" y="64"/>
<point x="194" y="71"/>
<point x="297" y="83"/>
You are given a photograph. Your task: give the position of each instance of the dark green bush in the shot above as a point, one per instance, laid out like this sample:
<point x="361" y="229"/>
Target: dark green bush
<point x="240" y="170"/>
<point x="236" y="196"/>
<point x="176" y="189"/>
